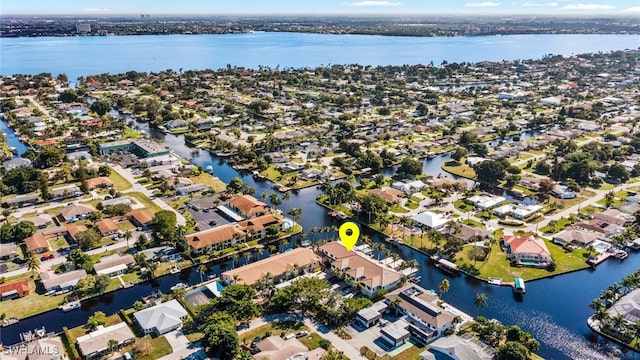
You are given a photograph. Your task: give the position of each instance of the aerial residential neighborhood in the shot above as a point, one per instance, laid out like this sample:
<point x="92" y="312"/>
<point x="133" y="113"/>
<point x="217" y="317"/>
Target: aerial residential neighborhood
<point x="196" y="213"/>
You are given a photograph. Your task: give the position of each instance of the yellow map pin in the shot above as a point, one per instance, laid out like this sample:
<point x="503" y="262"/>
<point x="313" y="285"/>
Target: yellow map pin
<point x="349" y="233"/>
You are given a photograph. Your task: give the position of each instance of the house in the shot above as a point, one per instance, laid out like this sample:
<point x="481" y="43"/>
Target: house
<point x="574" y="236"/>
<point x="74" y="212"/>
<point x="468" y="233"/>
<point x="205" y="123"/>
<point x="367" y="274"/>
<point x="99" y="182"/>
<point x="65" y="192"/>
<point x="518" y="211"/>
<point x="140" y="217"/>
<point x="220" y="237"/>
<point x="485" y="202"/>
<point x="310" y="174"/>
<point x="628" y="306"/>
<point x="8" y="251"/>
<point x="190" y="189"/>
<point x="114" y="265"/>
<point x="280" y="267"/>
<point x="430" y="220"/>
<point x="256" y="227"/>
<point x="14" y="289"/>
<point x="161" y="318"/>
<point x="37" y="243"/>
<point x="426" y="319"/>
<point x="248" y="206"/>
<point x="390" y="195"/>
<point x="177" y="124"/>
<point x="290" y="167"/>
<point x="125" y="200"/>
<point x="615" y="216"/>
<point x="63" y="281"/>
<point x="459" y="348"/>
<point x="563" y="192"/>
<point x="178" y="182"/>
<point x="601" y="227"/>
<point x="371" y="315"/>
<point x="22" y="200"/>
<point x="527" y="250"/>
<point x="408" y="186"/>
<point x="107" y="227"/>
<point x="16" y="163"/>
<point x="96" y="343"/>
<point x="276" y="348"/>
<point x="277" y="157"/>
<point x="41" y="221"/>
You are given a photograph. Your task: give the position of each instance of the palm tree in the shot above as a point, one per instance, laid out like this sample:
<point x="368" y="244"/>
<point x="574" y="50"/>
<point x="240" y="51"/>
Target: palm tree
<point x="618" y="322"/>
<point x="480" y="302"/>
<point x="596" y="304"/>
<point x="127" y="236"/>
<point x="234" y="259"/>
<point x="179" y="293"/>
<point x="202" y="269"/>
<point x="443" y="287"/>
<point x="413" y="264"/>
<point x="264" y="196"/>
<point x="296" y="213"/>
<point x="247" y="256"/>
<point x="286" y="196"/>
<point x="274" y="199"/>
<point x="395" y="304"/>
<point x="33" y="263"/>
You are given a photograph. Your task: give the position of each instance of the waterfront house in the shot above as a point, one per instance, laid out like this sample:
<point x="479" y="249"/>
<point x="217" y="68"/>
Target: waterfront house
<point x="290" y="167"/>
<point x="527" y="250"/>
<point x="248" y="206"/>
<point x="97" y="343"/>
<point x="277" y="267"/>
<point x="310" y="174"/>
<point x="217" y="238"/>
<point x="430" y="220"/>
<point x="63" y="281"/>
<point x="408" y="186"/>
<point x="177" y="124"/>
<point x="360" y="271"/>
<point x="468" y="233"/>
<point x="14" y="289"/>
<point x="459" y="348"/>
<point x="204" y="123"/>
<point x="161" y="318"/>
<point x="140" y="217"/>
<point x="74" y="212"/>
<point x="99" y="182"/>
<point x="114" y="265"/>
<point x="390" y="195"/>
<point x="425" y="318"/>
<point x="628" y="306"/>
<point x="257" y="226"/>
<point x="484" y="202"/>
<point x="48" y="347"/>
<point x="574" y="236"/>
<point x="601" y="227"/>
<point x="277" y="157"/>
<point x="615" y="216"/>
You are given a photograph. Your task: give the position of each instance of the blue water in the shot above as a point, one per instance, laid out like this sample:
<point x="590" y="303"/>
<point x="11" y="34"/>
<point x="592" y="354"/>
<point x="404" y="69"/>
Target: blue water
<point x="554" y="310"/>
<point x="82" y="55"/>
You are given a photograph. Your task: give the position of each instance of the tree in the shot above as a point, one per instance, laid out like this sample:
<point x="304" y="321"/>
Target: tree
<point x="127" y="237"/>
<point x="480" y="301"/>
<point x="88" y="239"/>
<point x="512" y="350"/>
<point x="236" y="186"/>
<point x="296" y="213"/>
<point x="220" y="341"/>
<point x="476" y="253"/>
<point x="98" y="318"/>
<point x="68" y="96"/>
<point x="100" y="107"/>
<point x="489" y="171"/>
<point x="164" y="226"/>
<point x="274" y="199"/>
<point x="618" y="172"/>
<point x="48" y="156"/>
<point x="44" y="186"/>
<point x="409" y="167"/>
<point x="33" y="263"/>
<point x="202" y="269"/>
<point x="80" y="259"/>
<point x="542" y="167"/>
<point x="23" y="230"/>
<point x="443" y="287"/>
<point x="459" y="153"/>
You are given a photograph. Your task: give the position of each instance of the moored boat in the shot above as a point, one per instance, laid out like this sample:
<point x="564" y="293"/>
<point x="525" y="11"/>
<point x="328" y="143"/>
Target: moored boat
<point x="73" y="305"/>
<point x="518" y="286"/>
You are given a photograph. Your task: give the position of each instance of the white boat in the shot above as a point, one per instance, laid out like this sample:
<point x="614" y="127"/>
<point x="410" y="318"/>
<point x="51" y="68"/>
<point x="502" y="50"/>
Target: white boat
<point x="179" y="285"/>
<point x="494" y="281"/>
<point x="174" y="270"/>
<point x="70" y="306"/>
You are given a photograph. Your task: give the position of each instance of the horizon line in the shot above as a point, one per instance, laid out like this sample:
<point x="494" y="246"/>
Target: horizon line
<point x="345" y="14"/>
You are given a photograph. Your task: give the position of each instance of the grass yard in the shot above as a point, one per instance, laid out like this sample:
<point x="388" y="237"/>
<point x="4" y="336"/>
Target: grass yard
<point x="130" y="133"/>
<point x="125" y="226"/>
<point x="158" y="347"/>
<point x="31" y="304"/>
<point x="462" y="170"/>
<point x="81" y="330"/>
<point x="410" y="354"/>
<point x="398" y="209"/>
<point x="556" y="226"/>
<point x="119" y="183"/>
<point x="58" y="242"/>
<point x="497" y="264"/>
<point x="150" y="205"/>
<point x="411" y="205"/>
<point x="216" y="184"/>
<point x="463" y="206"/>
<point x="311" y="341"/>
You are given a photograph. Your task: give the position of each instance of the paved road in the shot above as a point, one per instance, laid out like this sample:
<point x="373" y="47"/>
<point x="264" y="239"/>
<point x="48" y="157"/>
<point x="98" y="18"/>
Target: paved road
<point x="181" y="346"/>
<point x="137" y="187"/>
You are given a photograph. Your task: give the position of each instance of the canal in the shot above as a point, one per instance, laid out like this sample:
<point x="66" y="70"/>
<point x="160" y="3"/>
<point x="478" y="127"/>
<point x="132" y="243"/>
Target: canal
<point x="554" y="310"/>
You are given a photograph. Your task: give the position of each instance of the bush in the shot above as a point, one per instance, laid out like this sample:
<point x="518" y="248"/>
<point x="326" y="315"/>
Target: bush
<point x="324" y="343"/>
<point x="552" y="266"/>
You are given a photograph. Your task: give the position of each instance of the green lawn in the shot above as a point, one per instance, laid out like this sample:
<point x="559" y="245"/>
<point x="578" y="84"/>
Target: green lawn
<point x="274" y="328"/>
<point x="497" y="264"/>
<point x="31" y="304"/>
<point x="119" y="183"/>
<point x="130" y="133"/>
<point x="311" y="341"/>
<point x="158" y="347"/>
<point x="210" y="181"/>
<point x="462" y="205"/>
<point x="398" y="209"/>
<point x="150" y="205"/>
<point x="411" y="205"/>
<point x="411" y="353"/>
<point x="462" y="170"/>
<point x="58" y="242"/>
<point x="557" y="226"/>
<point x="81" y="330"/>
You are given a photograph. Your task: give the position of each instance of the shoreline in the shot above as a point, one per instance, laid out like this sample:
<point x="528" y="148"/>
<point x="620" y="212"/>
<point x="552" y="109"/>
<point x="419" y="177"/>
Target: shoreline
<point x="596" y="329"/>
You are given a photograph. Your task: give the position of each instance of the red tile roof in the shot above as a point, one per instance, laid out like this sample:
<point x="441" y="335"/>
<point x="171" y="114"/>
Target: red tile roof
<point x="213" y="236"/>
<point x="21" y="286"/>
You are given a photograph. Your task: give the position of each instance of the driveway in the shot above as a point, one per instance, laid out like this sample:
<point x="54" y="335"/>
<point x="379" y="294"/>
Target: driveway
<point x="181" y="346"/>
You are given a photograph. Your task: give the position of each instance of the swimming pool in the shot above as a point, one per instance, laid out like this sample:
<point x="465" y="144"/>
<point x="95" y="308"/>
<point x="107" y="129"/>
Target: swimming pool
<point x="600" y="246"/>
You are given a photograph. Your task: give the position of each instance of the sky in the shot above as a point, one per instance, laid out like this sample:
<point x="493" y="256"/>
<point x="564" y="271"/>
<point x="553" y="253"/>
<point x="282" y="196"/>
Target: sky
<point x="347" y="7"/>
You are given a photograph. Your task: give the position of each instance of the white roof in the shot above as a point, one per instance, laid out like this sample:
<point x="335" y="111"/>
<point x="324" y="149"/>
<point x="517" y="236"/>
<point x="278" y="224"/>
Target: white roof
<point x="430" y="219"/>
<point x="161" y="317"/>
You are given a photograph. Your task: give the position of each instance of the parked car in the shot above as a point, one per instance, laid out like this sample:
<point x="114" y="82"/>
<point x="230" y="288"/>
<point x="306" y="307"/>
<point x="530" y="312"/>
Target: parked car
<point x="255" y="341"/>
<point x="19" y="261"/>
<point x="302" y="333"/>
<point x="47" y="257"/>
